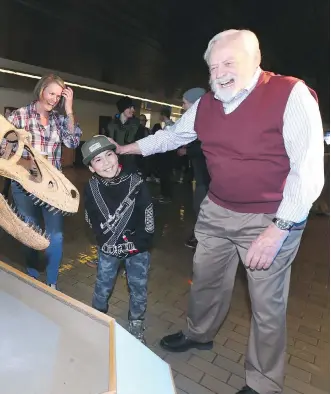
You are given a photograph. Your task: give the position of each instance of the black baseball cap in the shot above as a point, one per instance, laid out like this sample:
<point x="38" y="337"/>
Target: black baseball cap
<point x="94" y="146"/>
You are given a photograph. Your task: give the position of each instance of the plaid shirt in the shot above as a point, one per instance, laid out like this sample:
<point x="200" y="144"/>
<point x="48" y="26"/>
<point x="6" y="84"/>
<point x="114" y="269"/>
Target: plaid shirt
<point x="45" y="139"/>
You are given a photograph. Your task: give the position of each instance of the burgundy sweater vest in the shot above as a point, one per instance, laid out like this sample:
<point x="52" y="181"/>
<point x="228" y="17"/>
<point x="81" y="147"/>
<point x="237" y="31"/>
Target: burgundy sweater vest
<point x="245" y="151"/>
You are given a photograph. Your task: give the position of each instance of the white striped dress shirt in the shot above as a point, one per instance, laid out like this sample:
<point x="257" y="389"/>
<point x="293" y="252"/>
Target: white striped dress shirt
<point x="303" y="140"/>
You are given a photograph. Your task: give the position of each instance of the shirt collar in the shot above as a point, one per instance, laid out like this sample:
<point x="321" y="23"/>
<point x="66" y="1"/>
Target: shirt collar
<point x="33" y="109"/>
<point x="254" y="80"/>
<point x="169" y="122"/>
<point x="111" y="181"/>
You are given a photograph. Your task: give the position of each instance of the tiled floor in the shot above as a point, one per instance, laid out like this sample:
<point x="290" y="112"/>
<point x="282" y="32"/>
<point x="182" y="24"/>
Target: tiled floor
<point x="220" y="370"/>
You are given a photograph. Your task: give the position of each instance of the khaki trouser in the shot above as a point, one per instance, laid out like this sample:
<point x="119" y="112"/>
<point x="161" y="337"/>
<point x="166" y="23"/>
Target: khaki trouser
<point x="223" y="237"/>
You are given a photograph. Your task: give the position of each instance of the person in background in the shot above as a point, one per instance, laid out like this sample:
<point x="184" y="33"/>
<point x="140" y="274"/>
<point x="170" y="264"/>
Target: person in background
<point x="156" y="128"/>
<point x="194" y="152"/>
<point x="143" y="122"/>
<point x="124" y="127"/>
<point x="155" y="170"/>
<point x="166" y="163"/>
<point x="8" y="111"/>
<point x="322" y="205"/>
<point x="119" y="209"/>
<point x="143" y="163"/>
<point x="49" y="130"/>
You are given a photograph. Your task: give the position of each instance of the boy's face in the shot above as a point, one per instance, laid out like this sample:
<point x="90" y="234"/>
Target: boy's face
<point x="105" y="164"/>
<point x="129" y="112"/>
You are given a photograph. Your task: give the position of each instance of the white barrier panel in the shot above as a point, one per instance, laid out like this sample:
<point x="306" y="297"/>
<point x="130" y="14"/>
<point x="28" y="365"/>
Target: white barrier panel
<point x="53" y="344"/>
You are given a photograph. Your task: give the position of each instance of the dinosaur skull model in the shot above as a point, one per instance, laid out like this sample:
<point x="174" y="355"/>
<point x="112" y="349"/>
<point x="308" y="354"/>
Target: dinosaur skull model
<point x="39" y="179"/>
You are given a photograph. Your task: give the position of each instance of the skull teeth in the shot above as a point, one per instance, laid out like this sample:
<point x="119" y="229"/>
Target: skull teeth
<point x="30" y="224"/>
<point x="38" y="202"/>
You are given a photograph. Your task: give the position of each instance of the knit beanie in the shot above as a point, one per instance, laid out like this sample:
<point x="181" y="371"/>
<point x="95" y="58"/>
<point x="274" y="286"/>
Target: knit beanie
<point x="192" y="95"/>
<point x="124" y="103"/>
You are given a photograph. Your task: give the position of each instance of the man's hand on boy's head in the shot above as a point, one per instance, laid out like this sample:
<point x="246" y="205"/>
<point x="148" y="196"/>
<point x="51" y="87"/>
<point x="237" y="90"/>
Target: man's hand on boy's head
<point x="131" y="149"/>
<point x="120" y="150"/>
<point x="113" y="142"/>
<point x="118" y="147"/>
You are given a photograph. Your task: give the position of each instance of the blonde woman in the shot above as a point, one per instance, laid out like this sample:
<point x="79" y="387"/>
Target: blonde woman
<point x="49" y="130"/>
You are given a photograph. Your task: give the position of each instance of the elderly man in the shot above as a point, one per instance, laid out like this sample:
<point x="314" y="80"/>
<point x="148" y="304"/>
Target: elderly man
<point x="262" y="137"/>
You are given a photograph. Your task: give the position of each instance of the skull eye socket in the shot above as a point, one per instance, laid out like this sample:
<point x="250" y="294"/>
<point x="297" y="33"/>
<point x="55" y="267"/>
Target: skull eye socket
<point x="9" y="151"/>
<point x="11" y="140"/>
<point x="73" y="193"/>
<point x="11" y="136"/>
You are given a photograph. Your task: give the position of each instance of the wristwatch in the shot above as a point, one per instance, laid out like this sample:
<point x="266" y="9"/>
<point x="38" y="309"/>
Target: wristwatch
<point x="282" y="224"/>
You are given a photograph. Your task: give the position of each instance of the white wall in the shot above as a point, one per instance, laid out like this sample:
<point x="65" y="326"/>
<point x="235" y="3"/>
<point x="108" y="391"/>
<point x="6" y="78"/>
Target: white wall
<point x="14" y="66"/>
<point x="87" y="112"/>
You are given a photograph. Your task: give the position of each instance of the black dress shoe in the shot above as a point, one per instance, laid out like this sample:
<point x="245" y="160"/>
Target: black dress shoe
<point x="247" y="390"/>
<point x="180" y="343"/>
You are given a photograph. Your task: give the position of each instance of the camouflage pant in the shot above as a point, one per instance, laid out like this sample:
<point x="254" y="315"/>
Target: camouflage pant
<point x="137" y="268"/>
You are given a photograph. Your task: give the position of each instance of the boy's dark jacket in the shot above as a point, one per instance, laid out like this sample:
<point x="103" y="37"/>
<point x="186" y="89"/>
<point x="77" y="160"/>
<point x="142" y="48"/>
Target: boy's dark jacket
<point x="120" y="213"/>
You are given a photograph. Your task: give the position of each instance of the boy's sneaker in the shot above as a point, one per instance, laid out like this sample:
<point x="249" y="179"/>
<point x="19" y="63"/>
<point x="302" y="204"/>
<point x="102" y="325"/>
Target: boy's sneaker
<point x="53" y="286"/>
<point x="137" y="328"/>
<point x="192" y="242"/>
<point x="92" y="263"/>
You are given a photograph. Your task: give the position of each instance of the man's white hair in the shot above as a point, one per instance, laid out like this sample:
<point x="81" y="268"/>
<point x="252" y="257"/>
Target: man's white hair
<point x="249" y="39"/>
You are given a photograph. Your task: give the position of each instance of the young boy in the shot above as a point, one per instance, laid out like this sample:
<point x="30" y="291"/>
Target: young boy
<point x="119" y="209"/>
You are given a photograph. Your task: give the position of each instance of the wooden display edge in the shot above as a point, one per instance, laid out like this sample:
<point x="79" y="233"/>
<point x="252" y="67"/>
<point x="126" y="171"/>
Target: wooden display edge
<point x="172" y="379"/>
<point x="112" y="358"/>
<point x="80" y="307"/>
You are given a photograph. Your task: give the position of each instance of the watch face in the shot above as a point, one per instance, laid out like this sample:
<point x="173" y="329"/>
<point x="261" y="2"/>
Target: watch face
<point x="283" y="224"/>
